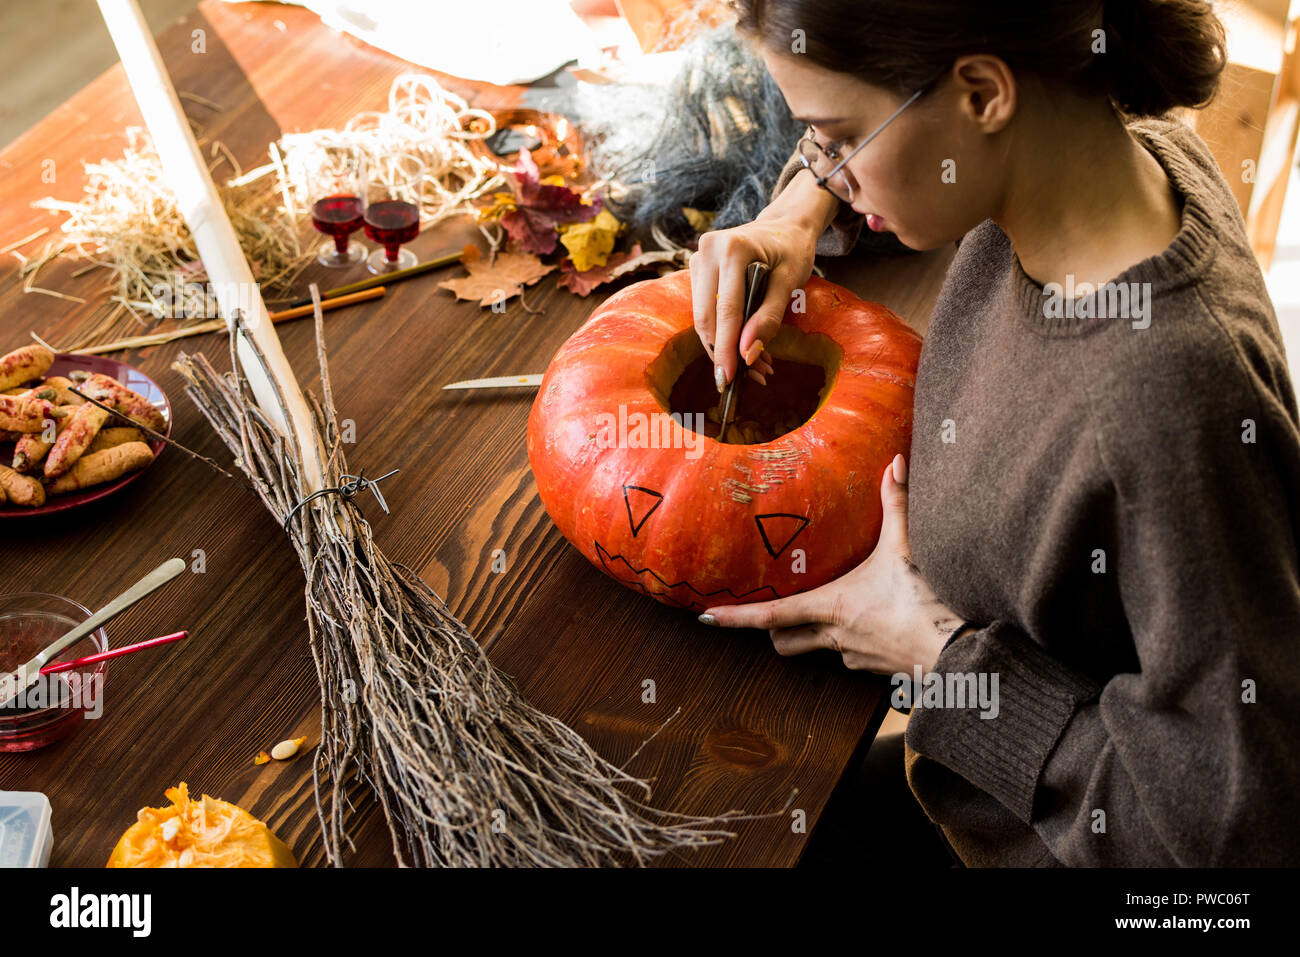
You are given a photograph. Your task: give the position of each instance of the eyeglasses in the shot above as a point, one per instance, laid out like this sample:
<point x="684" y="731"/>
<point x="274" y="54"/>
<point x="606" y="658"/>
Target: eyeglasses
<point x="819" y="161"/>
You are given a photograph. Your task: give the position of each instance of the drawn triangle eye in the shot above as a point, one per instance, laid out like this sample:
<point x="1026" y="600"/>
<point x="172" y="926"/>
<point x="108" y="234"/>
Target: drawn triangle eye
<point x="641" y="503"/>
<point x="779" y="527"/>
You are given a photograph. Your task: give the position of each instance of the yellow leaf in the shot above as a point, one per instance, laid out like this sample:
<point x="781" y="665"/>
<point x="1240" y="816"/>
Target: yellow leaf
<point x="701" y="220"/>
<point x="589" y="244"/>
<point x="501" y="204"/>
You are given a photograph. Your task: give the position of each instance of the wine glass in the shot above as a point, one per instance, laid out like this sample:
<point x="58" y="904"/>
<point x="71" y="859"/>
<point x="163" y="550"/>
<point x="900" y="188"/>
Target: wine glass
<point x="337" y="205"/>
<point x="394" y="184"/>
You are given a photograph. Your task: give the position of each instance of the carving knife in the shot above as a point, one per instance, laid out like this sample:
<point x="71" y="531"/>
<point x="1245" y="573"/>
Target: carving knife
<point x="755" y="288"/>
<point x="496" y="382"/>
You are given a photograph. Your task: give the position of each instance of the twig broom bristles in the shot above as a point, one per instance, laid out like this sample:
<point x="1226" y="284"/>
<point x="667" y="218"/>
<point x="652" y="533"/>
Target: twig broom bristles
<point x="467" y="771"/>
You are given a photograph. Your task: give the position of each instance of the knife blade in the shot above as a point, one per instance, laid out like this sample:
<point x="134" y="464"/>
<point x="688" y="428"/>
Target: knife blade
<point x="755" y="288"/>
<point x="15" y="682"/>
<point x="496" y="382"/>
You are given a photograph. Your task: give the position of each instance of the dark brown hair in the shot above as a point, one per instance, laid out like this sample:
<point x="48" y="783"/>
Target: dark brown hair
<point x="1158" y="54"/>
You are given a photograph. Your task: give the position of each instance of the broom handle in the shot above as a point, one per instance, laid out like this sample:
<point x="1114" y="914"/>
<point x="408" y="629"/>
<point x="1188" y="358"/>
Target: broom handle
<point x="218" y="247"/>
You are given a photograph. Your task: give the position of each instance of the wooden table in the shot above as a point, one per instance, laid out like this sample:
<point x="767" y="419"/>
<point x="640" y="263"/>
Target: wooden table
<point x="753" y="726"/>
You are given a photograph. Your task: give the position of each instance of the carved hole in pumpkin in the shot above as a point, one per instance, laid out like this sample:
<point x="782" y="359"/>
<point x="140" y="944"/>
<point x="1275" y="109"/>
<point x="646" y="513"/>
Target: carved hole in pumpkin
<point x="805" y="364"/>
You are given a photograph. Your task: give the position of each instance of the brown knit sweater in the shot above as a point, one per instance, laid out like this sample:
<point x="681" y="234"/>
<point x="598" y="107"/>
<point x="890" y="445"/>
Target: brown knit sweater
<point x="1117" y="506"/>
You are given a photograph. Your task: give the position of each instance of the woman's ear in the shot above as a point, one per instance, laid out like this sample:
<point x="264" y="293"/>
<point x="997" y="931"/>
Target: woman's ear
<point x="987" y="90"/>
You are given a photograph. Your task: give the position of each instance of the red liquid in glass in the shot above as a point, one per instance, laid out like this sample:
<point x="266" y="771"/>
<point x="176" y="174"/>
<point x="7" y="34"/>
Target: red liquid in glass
<point x="392" y="223"/>
<point x="337" y="216"/>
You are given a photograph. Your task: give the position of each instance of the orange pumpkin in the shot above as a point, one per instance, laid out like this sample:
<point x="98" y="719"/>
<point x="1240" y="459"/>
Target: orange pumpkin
<point x="626" y="466"/>
<point x="203" y="833"/>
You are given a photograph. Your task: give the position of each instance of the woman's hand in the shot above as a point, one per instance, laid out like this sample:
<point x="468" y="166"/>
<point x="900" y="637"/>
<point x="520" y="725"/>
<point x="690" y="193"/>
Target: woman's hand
<point x="785" y="237"/>
<point x="881" y="616"/>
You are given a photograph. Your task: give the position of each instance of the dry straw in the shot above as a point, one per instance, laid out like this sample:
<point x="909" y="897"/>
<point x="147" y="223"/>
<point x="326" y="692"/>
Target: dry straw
<point x="128" y="223"/>
<point x="423" y="119"/>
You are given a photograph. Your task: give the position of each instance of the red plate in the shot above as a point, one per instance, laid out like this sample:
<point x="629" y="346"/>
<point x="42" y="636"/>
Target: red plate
<point x="134" y="380"/>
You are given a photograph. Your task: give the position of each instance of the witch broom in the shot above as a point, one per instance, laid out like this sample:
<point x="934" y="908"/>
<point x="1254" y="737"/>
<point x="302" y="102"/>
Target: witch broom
<point x="468" y="773"/>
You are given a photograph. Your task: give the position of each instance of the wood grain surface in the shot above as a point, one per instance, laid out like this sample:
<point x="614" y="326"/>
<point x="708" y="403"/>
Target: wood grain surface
<point x="750" y="727"/>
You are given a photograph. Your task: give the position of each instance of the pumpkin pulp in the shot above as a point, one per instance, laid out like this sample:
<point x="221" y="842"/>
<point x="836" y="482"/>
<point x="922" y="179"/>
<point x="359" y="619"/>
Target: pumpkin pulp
<point x="199" y="833"/>
<point x="681" y="380"/>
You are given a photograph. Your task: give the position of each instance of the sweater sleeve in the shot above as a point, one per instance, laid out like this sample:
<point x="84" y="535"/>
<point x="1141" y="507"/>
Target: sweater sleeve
<point x="1190" y="760"/>
<point x="842" y="234"/>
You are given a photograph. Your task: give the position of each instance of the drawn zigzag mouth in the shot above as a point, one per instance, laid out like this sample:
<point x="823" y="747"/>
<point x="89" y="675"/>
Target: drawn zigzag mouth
<point x="606" y="558"/>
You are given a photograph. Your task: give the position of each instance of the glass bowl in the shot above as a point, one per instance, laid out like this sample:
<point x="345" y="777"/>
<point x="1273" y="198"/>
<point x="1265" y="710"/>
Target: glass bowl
<point x="55" y="705"/>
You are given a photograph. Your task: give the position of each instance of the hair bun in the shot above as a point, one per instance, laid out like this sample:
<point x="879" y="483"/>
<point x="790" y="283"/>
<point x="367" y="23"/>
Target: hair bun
<point x="1161" y="54"/>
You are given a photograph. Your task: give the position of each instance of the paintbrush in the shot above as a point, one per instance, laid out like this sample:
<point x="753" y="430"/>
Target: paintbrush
<point x="219" y="325"/>
<point x="383" y="279"/>
<point x="113" y="653"/>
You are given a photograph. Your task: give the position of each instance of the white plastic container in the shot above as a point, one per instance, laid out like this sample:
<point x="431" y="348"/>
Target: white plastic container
<point x="26" y="835"/>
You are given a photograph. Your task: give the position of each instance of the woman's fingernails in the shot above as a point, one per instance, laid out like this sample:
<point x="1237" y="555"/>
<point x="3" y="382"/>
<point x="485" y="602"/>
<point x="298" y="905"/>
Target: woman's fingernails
<point x="720" y="378"/>
<point x="900" y="469"/>
<point x="753" y="352"/>
<point x="756" y="376"/>
<point x="708" y="619"/>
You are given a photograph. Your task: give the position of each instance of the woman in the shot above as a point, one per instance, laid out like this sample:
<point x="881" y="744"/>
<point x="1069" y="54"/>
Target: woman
<point x="1101" y="502"/>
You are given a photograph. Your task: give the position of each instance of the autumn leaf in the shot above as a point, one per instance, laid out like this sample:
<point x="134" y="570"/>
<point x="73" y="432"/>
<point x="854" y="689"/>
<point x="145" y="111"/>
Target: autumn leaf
<point x="589" y="244"/>
<point x="497" y="281"/>
<point x="619" y="264"/>
<point x="540" y="207"/>
<point x="656" y="257"/>
<point x="584" y="281"/>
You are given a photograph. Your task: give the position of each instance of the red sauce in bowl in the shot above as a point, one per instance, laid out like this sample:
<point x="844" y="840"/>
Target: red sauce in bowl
<point x="58" y="704"/>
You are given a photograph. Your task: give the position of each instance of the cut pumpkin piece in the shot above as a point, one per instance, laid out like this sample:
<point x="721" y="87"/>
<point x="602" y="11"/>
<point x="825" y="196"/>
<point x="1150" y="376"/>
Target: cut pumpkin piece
<point x="203" y="833"/>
